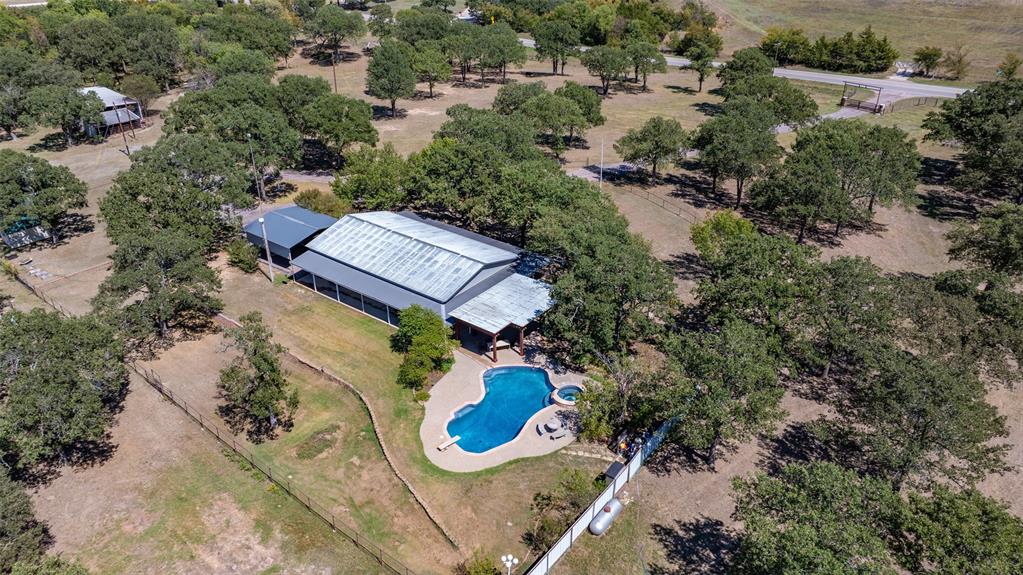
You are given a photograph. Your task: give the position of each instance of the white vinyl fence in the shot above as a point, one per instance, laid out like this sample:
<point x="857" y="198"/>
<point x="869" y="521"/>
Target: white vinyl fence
<point x="544" y="564"/>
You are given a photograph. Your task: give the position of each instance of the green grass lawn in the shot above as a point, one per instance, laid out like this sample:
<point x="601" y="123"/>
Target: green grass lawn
<point x="624" y="548"/>
<point x="333" y="455"/>
<point x="827" y="96"/>
<point x="488" y="509"/>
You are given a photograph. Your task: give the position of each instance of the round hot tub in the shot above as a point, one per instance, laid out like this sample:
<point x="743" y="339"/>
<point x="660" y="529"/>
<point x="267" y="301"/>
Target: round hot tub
<point x="566" y="395"/>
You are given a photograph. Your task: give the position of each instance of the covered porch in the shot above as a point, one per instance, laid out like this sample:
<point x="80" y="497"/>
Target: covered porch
<point x="499" y="317"/>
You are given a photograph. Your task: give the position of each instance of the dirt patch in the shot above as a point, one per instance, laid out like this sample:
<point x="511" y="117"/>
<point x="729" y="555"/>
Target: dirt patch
<point x="241" y="549"/>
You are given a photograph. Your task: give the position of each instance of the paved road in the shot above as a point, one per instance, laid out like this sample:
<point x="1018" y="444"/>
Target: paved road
<point x="904" y="88"/>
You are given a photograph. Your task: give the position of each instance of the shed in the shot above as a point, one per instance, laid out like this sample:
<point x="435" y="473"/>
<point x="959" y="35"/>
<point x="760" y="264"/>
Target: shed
<point x="20" y="236"/>
<point x="119" y="111"/>
<point x="288" y="231"/>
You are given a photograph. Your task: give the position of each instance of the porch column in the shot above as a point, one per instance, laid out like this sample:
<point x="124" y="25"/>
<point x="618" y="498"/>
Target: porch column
<point x="522" y="340"/>
<point x="494" y="349"/>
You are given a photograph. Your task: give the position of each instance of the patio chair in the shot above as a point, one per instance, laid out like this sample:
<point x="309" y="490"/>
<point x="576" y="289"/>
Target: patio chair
<point x="552" y="425"/>
<point x="540" y="430"/>
<point x="559" y="434"/>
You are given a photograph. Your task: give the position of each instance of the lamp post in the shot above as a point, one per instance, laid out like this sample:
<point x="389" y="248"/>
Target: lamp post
<point x="509" y="562"/>
<point x="259" y="176"/>
<point x="266" y="246"/>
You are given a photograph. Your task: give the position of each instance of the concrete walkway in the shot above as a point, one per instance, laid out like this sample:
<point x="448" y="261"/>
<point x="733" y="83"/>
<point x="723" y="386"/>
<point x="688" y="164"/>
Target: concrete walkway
<point x="463" y="385"/>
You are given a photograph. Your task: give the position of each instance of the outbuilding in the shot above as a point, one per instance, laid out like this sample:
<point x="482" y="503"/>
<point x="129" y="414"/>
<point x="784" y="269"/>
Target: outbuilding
<point x="119" y="111"/>
<point x="288" y="230"/>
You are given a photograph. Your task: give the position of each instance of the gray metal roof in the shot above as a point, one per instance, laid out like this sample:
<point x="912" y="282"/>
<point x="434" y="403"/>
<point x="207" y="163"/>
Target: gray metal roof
<point x="109" y="97"/>
<point x="25" y="237"/>
<point x="409" y="252"/>
<point x="516" y="300"/>
<point x="361" y="282"/>
<point x="119" y="116"/>
<point x="288" y="227"/>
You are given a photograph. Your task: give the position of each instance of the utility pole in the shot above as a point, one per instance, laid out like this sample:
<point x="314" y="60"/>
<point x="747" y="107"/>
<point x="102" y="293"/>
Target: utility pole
<point x="602" y="163"/>
<point x="259" y="176"/>
<point x="266" y="246"/>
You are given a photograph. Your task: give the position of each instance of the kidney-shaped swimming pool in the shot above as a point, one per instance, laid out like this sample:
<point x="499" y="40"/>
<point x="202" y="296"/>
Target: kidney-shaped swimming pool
<point x="512" y="395"/>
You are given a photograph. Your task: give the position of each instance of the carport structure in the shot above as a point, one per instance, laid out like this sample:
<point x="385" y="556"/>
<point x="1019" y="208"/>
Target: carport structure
<point x="514" y="303"/>
<point x="288" y="230"/>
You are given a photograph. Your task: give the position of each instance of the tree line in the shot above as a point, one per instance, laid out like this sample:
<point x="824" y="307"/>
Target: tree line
<point x="861" y="52"/>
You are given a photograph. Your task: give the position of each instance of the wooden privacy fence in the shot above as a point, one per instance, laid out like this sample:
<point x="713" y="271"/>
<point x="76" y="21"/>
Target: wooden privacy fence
<point x="543" y="565"/>
<point x="280" y="479"/>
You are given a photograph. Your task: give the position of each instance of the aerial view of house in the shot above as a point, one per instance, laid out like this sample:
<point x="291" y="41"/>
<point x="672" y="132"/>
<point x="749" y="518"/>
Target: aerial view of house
<point x="437" y="287"/>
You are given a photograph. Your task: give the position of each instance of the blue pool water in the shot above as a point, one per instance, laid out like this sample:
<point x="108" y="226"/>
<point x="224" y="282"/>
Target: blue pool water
<point x="513" y="395"/>
<point x="569" y="392"/>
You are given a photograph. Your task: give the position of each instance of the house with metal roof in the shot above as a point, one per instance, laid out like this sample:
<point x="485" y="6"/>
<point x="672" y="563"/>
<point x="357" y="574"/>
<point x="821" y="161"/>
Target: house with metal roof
<point x="288" y="230"/>
<point x="119" y="111"/>
<point x="383" y="262"/>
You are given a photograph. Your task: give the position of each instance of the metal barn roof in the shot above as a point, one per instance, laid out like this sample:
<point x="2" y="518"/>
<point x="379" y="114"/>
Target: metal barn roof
<point x="24" y="236"/>
<point x="516" y="300"/>
<point x="288" y="227"/>
<point x="119" y="116"/>
<point x="409" y="252"/>
<point x="110" y="97"/>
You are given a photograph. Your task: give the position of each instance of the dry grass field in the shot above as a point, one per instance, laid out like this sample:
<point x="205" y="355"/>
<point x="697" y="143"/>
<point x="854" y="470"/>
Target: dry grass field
<point x="987" y="28"/>
<point x="170" y="501"/>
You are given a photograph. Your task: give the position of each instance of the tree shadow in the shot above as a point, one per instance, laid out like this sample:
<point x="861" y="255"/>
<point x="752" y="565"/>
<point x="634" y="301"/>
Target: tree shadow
<point x="937" y="171"/>
<point x="673" y="458"/>
<point x="53" y="142"/>
<point x="82" y="455"/>
<point x="708" y="108"/>
<point x="689" y="266"/>
<point x="945" y="204"/>
<point x="383" y="113"/>
<point x="70" y="226"/>
<point x="697" y="190"/>
<point x="278" y="189"/>
<point x="469" y="83"/>
<point x="797" y="443"/>
<point x="424" y="95"/>
<point x="318" y="55"/>
<point x="702" y="546"/>
<point x="681" y="90"/>
<point x="317" y="156"/>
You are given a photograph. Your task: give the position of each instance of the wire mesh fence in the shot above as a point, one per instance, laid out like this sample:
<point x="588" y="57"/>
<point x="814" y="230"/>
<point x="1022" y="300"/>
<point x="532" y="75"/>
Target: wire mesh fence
<point x="907" y="103"/>
<point x="279" y="477"/>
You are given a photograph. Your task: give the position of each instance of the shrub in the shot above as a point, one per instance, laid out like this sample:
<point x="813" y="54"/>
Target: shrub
<point x="414" y="320"/>
<point x="554" y="510"/>
<point x="243" y="255"/>
<point x="478" y="564"/>
<point x="322" y="202"/>
<point x="10" y="270"/>
<point x="414" y="370"/>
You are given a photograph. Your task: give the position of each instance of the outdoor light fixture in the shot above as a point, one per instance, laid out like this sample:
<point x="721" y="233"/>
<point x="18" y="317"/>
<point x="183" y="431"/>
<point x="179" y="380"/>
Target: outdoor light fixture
<point x="509" y="562"/>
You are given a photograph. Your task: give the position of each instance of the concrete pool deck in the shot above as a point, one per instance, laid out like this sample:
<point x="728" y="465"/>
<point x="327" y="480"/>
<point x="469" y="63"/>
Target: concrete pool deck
<point x="463" y="385"/>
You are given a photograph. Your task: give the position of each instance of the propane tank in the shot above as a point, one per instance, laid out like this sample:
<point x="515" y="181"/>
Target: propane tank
<point x="603" y="519"/>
